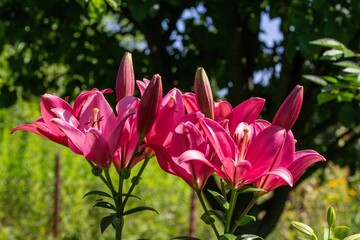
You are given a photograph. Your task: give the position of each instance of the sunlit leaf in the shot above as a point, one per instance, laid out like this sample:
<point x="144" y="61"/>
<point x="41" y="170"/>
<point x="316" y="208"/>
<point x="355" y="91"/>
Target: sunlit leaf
<point x="353" y="237"/>
<point x="315" y="79"/>
<point x="328" y="42"/>
<point x="114" y="4"/>
<point x="245" y="220"/>
<point x="220" y="199"/>
<point x="249" y="237"/>
<point x="250" y="190"/>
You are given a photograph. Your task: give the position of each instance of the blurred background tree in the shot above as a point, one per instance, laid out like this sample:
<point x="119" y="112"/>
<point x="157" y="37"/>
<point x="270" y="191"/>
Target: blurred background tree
<point x="66" y="46"/>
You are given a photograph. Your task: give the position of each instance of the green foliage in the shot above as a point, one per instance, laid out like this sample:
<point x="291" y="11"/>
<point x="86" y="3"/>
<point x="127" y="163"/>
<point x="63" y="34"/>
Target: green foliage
<point x="345" y="85"/>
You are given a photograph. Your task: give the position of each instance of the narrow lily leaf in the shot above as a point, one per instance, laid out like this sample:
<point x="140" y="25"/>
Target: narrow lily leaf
<point x="342" y="227"/>
<point x="245" y="220"/>
<point x="250" y="237"/>
<point x="250" y="190"/>
<point x="303" y="228"/>
<point x="99" y="193"/>
<point x="139" y="209"/>
<point x="347" y="64"/>
<point x="125" y="195"/>
<point x="353" y="237"/>
<point x="104" y="204"/>
<point x="106" y="221"/>
<point x="186" y="238"/>
<point x="227" y="237"/>
<point x="220" y="214"/>
<point x="220" y="199"/>
<point x="332" y="54"/>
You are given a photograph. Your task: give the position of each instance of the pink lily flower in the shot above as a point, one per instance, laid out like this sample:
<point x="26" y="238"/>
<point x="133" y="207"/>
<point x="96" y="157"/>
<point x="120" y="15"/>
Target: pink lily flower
<point x="43" y="125"/>
<point x="187" y="143"/>
<point x="125" y="79"/>
<point x="93" y="129"/>
<point x="288" y="160"/>
<point x="244" y="163"/>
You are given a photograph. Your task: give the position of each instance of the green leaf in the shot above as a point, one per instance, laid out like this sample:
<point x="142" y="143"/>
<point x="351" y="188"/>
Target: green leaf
<point x="220" y="199"/>
<point x="315" y="79"/>
<point x="331" y="217"/>
<point x="219" y="214"/>
<point x="250" y="237"/>
<point x="115" y="5"/>
<point x="96" y="9"/>
<point x="104" y="204"/>
<point x="227" y="236"/>
<point x="325" y="97"/>
<point x="186" y="238"/>
<point x="352" y="70"/>
<point x="341" y="227"/>
<point x="353" y="237"/>
<point x="98" y="193"/>
<point x="332" y="54"/>
<point x="250" y="190"/>
<point x="330" y="79"/>
<point x="139" y="209"/>
<point x="347" y="64"/>
<point x="303" y="228"/>
<point x="245" y="220"/>
<point x="207" y="219"/>
<point x="106" y="221"/>
<point x="328" y="42"/>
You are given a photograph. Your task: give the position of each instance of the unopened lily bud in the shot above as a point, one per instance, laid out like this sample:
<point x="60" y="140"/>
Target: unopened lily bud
<point x="149" y="106"/>
<point x="125" y="79"/>
<point x="203" y="93"/>
<point x="289" y="110"/>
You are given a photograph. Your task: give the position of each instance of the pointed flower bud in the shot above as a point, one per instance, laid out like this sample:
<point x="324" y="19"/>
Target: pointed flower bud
<point x="289" y="110"/>
<point x="149" y="106"/>
<point x="125" y="79"/>
<point x="203" y="93"/>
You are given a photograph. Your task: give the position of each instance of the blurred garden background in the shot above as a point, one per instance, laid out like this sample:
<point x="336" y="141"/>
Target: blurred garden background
<point x="248" y="48"/>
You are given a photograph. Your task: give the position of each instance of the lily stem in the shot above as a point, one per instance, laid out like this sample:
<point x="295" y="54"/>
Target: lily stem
<point x="246" y="210"/>
<point x="230" y="211"/>
<point x="201" y="199"/>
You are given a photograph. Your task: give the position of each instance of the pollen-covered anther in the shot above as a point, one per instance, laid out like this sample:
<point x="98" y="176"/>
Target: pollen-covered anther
<point x="96" y="112"/>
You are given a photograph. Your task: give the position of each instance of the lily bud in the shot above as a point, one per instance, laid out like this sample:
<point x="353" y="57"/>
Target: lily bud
<point x="203" y="93"/>
<point x="149" y="106"/>
<point x="289" y="110"/>
<point x="125" y="79"/>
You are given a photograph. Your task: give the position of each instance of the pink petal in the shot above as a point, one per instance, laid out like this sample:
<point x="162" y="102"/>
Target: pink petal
<point x="142" y="85"/>
<point x="264" y="149"/>
<point x="276" y="178"/>
<point x="222" y="143"/>
<point x="96" y="149"/>
<point x="303" y="160"/>
<point x="74" y="134"/>
<point x="190" y="102"/>
<point x="246" y="111"/>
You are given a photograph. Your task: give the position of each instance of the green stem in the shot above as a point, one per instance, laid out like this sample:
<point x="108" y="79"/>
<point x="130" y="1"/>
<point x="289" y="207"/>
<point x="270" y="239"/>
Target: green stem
<point x="137" y="179"/>
<point x="199" y="194"/>
<point x="246" y="210"/>
<point x="230" y="211"/>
